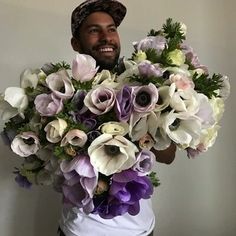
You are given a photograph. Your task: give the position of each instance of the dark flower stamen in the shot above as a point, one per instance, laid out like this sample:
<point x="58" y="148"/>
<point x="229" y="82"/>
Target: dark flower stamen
<point x="112" y="150"/>
<point x="143" y="98"/>
<point x="175" y="125"/>
<point x="29" y="141"/>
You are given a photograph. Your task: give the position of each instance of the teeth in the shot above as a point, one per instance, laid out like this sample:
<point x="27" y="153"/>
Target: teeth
<point x="106" y="49"/>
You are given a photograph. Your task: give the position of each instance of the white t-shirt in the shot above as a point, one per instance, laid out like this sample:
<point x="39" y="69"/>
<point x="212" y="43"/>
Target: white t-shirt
<point x="75" y="223"/>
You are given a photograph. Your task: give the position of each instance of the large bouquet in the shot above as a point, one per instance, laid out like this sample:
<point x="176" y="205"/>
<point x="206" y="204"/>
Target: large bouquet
<point x="91" y="134"/>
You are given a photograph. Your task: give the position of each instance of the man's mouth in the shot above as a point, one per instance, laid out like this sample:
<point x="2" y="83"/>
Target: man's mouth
<point x="106" y="49"/>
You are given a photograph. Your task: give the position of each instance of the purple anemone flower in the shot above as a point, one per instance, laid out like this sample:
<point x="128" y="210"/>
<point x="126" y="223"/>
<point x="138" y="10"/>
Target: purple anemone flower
<point x="80" y="182"/>
<point x="127" y="188"/>
<point x="124" y="103"/>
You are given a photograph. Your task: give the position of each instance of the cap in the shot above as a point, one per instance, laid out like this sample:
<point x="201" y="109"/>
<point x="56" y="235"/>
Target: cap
<point x="114" y="8"/>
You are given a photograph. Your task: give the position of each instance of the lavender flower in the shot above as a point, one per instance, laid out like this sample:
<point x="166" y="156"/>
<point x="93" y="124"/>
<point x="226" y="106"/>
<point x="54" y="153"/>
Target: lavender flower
<point x="147" y="69"/>
<point x="145" y="98"/>
<point x="124" y="103"/>
<point x="80" y="182"/>
<point x="48" y="104"/>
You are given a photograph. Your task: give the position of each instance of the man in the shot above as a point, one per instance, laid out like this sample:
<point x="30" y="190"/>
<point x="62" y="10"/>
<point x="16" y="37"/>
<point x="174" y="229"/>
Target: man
<point x="94" y="32"/>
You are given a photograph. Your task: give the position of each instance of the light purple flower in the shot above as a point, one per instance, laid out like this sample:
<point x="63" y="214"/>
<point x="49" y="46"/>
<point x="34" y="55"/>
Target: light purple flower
<point x="48" y="104"/>
<point x="192" y="58"/>
<point x="80" y="182"/>
<point x="124" y="103"/>
<point x="145" y="162"/>
<point x="84" y="67"/>
<point x="100" y="100"/>
<point x="147" y="69"/>
<point x="60" y="84"/>
<point x="152" y="42"/>
<point x="145" y="98"/>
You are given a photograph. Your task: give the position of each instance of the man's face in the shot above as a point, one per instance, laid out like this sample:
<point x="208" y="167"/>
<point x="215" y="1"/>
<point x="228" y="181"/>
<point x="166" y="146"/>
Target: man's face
<point x="99" y="38"/>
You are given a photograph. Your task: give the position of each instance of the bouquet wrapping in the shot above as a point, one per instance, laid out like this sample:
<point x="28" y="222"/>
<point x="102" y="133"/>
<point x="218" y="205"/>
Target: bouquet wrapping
<point x="92" y="133"/>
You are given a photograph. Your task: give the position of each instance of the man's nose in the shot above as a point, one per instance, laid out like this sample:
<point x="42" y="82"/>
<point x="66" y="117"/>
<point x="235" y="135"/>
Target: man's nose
<point x="105" y="36"/>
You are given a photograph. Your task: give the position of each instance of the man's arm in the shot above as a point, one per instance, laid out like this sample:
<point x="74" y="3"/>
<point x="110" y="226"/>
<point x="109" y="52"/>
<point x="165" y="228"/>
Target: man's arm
<point x="165" y="156"/>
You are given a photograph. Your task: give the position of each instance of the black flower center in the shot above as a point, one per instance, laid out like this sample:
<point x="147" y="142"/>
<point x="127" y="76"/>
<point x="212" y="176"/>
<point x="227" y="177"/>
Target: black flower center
<point x="29" y="141"/>
<point x="143" y="99"/>
<point x="112" y="150"/>
<point x="175" y="125"/>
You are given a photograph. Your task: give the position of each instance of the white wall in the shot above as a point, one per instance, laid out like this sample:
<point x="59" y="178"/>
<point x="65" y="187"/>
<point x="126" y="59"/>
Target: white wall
<point x="196" y="197"/>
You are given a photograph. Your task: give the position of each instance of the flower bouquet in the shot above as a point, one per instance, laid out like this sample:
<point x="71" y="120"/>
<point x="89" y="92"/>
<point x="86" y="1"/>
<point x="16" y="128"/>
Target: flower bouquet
<point x="91" y="134"/>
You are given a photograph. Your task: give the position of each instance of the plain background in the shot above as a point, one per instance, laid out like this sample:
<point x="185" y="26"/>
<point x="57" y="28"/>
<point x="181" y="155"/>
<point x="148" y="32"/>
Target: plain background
<point x="196" y="197"/>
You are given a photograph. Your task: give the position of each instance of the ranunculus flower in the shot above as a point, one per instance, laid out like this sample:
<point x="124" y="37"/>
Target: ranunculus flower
<point x="218" y="107"/>
<point x="145" y="162"/>
<point x="176" y="57"/>
<point x="80" y="182"/>
<point x="83" y="67"/>
<point x="60" y="84"/>
<point x="105" y="78"/>
<point x="139" y="56"/>
<point x="115" y="128"/>
<point x="48" y="104"/>
<point x="208" y="137"/>
<point x="111" y="155"/>
<point x="145" y="98"/>
<point x="25" y="144"/>
<point x="100" y="100"/>
<point x="181" y="81"/>
<point x="146" y="142"/>
<point x="124" y="103"/>
<point x="147" y="69"/>
<point x="14" y="101"/>
<point x="75" y="137"/>
<point x="55" y="130"/>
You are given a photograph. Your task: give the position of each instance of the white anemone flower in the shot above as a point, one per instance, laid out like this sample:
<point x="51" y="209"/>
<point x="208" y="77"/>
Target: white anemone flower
<point x="142" y="123"/>
<point x="14" y="101"/>
<point x="60" y="81"/>
<point x="183" y="130"/>
<point x="185" y="101"/>
<point x="74" y="137"/>
<point x="25" y="144"/>
<point x="29" y="78"/>
<point x="111" y="154"/>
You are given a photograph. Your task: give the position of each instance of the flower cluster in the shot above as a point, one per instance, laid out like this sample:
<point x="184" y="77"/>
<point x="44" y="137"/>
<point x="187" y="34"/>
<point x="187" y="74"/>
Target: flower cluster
<point x="91" y="133"/>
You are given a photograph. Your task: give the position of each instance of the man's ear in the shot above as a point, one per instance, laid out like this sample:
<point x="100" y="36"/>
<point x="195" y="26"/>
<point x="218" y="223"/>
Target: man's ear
<point x="75" y="44"/>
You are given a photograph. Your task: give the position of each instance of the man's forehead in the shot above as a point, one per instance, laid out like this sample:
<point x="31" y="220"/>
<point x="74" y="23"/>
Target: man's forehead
<point x="101" y="19"/>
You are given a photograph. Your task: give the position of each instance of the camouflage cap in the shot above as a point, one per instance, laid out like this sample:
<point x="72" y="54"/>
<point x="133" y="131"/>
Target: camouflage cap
<point x="114" y="8"/>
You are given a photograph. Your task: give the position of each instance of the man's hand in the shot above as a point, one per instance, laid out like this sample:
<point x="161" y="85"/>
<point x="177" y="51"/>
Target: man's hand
<point x="165" y="156"/>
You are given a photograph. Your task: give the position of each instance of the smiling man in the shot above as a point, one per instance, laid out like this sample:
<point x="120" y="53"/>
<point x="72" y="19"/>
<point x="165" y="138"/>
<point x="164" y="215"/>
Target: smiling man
<point x="95" y="33"/>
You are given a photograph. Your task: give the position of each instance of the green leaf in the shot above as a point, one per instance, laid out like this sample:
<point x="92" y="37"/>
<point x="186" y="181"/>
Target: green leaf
<point x="154" y="179"/>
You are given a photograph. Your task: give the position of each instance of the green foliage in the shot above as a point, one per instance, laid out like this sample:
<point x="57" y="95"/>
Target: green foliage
<point x="154" y="179"/>
<point x="61" y="65"/>
<point x="152" y="55"/>
<point x="207" y="86"/>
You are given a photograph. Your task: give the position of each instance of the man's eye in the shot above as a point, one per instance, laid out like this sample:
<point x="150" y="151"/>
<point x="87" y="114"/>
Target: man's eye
<point x="93" y="30"/>
<point x="113" y="29"/>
